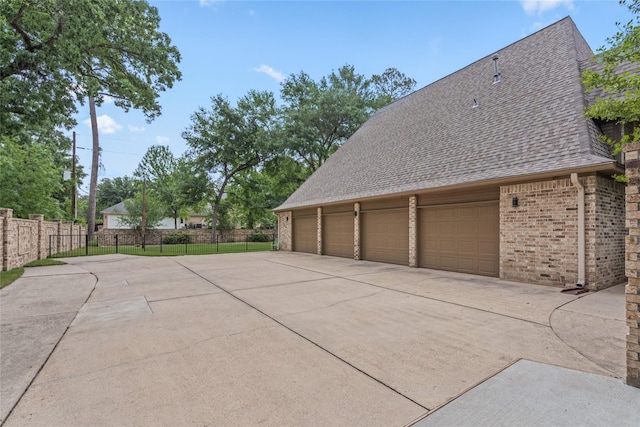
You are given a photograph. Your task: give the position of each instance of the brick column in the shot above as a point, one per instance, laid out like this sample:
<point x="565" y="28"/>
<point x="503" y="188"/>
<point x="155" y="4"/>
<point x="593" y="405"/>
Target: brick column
<point x="413" y="231"/>
<point x="356" y="231"/>
<point x="285" y="221"/>
<point x="5" y="222"/>
<point x="319" y="232"/>
<point x="632" y="264"/>
<point x="42" y="251"/>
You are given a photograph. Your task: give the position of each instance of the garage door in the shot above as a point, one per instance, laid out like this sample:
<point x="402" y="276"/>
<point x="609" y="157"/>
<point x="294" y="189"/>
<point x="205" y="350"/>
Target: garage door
<point x="460" y="237"/>
<point x="337" y="234"/>
<point x="385" y="236"/>
<point x="305" y="235"/>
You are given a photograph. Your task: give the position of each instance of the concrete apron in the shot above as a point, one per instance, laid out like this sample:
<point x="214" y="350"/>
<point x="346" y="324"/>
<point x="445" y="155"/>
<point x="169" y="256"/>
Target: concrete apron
<point x="283" y="338"/>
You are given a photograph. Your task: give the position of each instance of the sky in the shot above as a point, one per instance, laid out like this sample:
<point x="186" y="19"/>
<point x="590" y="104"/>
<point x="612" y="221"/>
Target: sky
<point x="230" y="47"/>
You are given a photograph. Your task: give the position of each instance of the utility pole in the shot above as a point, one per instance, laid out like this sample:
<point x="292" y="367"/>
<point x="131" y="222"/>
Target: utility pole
<point x="74" y="211"/>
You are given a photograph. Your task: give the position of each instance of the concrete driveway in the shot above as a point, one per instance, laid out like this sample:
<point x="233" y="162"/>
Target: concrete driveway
<point x="277" y="339"/>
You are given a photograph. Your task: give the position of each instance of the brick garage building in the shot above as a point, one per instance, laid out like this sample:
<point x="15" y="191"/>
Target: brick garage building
<point x="492" y="170"/>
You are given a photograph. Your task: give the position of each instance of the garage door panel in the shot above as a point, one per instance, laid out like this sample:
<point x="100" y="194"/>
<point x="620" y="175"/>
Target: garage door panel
<point x="462" y="238"/>
<point x="385" y="236"/>
<point x="305" y="235"/>
<point x="337" y="235"/>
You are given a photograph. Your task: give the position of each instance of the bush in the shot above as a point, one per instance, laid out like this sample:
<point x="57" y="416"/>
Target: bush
<point x="177" y="238"/>
<point x="258" y="237"/>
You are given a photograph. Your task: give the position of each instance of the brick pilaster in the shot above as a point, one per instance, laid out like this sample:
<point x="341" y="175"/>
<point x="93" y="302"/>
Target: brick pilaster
<point x="356" y="231"/>
<point x="413" y="231"/>
<point x="41" y="242"/>
<point x="6" y="215"/>
<point x="285" y="220"/>
<point x="319" y="231"/>
<point x="632" y="264"/>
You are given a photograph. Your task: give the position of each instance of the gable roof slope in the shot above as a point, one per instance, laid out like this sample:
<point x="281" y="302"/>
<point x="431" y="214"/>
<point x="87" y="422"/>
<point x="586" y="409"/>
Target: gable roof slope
<point x="531" y="122"/>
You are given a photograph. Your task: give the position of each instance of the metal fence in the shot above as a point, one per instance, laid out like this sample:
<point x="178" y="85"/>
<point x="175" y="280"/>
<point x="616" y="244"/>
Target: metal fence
<point x="169" y="244"/>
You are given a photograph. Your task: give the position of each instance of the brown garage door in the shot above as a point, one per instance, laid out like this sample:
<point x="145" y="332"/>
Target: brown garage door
<point x="337" y="234"/>
<point x="305" y="234"/>
<point x="460" y="237"/>
<point x="385" y="236"/>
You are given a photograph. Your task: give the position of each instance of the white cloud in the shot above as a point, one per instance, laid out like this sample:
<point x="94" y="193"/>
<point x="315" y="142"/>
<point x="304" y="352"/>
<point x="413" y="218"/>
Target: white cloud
<point x="274" y="74"/>
<point x="105" y="124"/>
<point x="136" y="128"/>
<point x="107" y="99"/>
<point x="537" y="7"/>
<point x="162" y="139"/>
<point x="205" y="3"/>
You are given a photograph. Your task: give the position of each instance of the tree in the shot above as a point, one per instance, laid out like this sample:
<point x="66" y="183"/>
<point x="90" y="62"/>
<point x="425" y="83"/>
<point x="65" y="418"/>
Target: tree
<point x="226" y="140"/>
<point x="154" y="212"/>
<point x="113" y="191"/>
<point x="251" y="197"/>
<point x="56" y="52"/>
<point x="29" y="177"/>
<point x="617" y="77"/>
<point x="320" y="116"/>
<point x="170" y="179"/>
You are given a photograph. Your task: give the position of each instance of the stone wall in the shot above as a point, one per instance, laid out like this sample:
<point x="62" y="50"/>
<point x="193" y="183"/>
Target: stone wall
<point x="285" y="219"/>
<point x="26" y="240"/>
<point x="632" y="267"/>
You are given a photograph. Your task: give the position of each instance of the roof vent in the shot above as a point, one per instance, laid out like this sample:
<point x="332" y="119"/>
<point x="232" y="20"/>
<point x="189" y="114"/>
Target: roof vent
<point x="496" y="73"/>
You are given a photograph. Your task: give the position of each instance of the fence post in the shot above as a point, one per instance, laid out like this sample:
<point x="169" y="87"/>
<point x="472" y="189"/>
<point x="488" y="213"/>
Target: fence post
<point x="161" y="239"/>
<point x="116" y="236"/>
<point x="86" y="244"/>
<point x="217" y="249"/>
<point x="246" y="243"/>
<point x="144" y="242"/>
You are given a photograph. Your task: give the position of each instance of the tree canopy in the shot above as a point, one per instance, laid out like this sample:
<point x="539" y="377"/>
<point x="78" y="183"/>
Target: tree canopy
<point x="617" y="77"/>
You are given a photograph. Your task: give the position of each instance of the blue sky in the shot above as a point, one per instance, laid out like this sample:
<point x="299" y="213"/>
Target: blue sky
<point x="230" y="47"/>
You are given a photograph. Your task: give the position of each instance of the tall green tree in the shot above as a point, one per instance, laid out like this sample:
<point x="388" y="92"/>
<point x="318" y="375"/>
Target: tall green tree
<point x="226" y="140"/>
<point x="28" y="177"/>
<point x="57" y="52"/>
<point x="320" y="116"/>
<point x="617" y="78"/>
<point x="153" y="211"/>
<point x="251" y="197"/>
<point x="112" y="191"/>
<point x="171" y="181"/>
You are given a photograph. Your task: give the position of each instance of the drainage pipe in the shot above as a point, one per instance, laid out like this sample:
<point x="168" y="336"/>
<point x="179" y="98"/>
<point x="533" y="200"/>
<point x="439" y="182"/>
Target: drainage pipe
<point x="581" y="231"/>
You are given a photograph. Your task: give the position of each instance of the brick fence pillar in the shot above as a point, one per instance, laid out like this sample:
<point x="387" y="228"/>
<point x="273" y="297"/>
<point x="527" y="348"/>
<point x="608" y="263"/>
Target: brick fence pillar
<point x="42" y="252"/>
<point x="319" y="231"/>
<point x="285" y="220"/>
<point x="632" y="264"/>
<point x="356" y="231"/>
<point x="5" y="222"/>
<point x="413" y="231"/>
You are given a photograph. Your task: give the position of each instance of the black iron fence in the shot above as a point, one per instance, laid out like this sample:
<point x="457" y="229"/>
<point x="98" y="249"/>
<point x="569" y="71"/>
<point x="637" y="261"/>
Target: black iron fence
<point x="155" y="244"/>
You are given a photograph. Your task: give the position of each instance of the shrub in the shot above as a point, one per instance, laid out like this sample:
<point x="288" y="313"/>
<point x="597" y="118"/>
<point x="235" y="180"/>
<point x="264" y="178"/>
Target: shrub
<point x="177" y="238"/>
<point x="258" y="237"/>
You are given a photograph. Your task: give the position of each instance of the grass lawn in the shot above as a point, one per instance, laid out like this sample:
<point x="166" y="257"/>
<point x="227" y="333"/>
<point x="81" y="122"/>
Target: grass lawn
<point x="171" y="250"/>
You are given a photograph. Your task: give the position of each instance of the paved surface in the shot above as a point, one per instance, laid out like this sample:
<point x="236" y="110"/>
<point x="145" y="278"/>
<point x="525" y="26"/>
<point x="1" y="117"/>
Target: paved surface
<point x="277" y="339"/>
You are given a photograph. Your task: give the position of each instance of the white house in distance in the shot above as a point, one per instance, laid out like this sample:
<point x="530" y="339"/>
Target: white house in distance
<point x="112" y="215"/>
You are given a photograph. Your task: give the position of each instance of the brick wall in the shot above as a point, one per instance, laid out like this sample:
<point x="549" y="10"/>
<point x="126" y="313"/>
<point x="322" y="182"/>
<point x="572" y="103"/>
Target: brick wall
<point x="538" y="238"/>
<point x="632" y="268"/>
<point x="606" y="267"/>
<point x="285" y="219"/>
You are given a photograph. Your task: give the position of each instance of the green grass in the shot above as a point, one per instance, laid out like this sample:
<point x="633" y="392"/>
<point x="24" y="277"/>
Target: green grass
<point x="44" y="262"/>
<point x="171" y="250"/>
<point x="8" y="277"/>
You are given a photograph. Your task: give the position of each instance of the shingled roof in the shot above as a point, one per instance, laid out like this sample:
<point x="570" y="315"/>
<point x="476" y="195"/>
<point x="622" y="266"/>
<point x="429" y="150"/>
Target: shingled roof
<point x="531" y="122"/>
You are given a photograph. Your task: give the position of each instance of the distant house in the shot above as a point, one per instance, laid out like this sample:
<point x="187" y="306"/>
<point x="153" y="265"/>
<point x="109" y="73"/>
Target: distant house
<point x="493" y="170"/>
<point x="111" y="219"/>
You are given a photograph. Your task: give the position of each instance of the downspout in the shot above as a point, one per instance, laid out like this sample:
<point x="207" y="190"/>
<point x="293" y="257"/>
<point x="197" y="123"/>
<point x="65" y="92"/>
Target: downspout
<point x="581" y="231"/>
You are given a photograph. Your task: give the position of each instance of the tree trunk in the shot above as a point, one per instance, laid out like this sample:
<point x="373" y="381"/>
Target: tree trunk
<point x="95" y="163"/>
